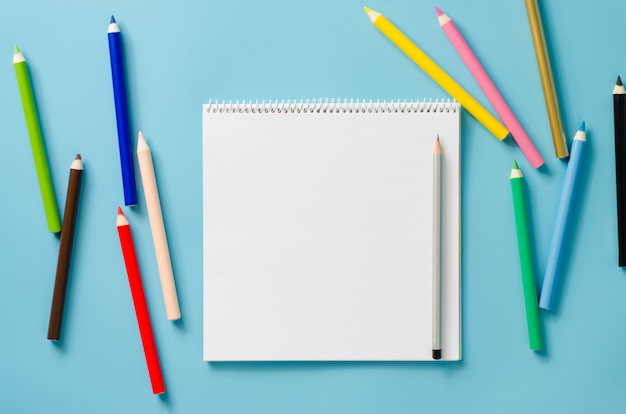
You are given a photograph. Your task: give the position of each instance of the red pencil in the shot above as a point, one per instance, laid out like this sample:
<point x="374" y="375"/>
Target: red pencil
<point x="139" y="300"/>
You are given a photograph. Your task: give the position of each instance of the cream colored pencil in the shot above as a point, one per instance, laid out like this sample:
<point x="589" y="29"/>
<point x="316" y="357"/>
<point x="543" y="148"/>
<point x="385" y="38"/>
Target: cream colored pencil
<point x="161" y="249"/>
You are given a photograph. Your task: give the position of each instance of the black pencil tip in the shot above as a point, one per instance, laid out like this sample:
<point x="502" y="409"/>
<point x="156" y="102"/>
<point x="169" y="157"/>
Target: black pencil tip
<point x="619" y="81"/>
<point x="436" y="353"/>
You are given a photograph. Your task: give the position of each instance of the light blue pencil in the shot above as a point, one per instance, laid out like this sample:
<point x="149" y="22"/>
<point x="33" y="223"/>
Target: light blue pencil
<point x="572" y="177"/>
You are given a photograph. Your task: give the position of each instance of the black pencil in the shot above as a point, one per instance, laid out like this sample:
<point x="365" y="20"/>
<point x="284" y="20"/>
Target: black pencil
<point x="619" y="114"/>
<point x="65" y="249"/>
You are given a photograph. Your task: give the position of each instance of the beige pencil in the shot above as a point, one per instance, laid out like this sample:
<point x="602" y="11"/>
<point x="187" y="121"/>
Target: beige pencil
<point x="547" y="81"/>
<point x="164" y="263"/>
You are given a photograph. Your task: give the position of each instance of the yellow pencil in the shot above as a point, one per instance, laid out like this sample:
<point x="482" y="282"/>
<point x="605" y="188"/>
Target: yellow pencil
<point x="547" y="81"/>
<point x="434" y="71"/>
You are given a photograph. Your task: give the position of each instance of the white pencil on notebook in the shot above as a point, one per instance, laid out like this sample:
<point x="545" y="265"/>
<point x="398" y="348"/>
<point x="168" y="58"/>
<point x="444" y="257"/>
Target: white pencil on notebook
<point x="437" y="250"/>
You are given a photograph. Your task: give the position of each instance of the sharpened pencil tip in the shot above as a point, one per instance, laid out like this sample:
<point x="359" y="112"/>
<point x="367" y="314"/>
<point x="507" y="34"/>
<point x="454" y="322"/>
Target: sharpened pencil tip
<point x="78" y="157"/>
<point x="515" y="166"/>
<point x="119" y="211"/>
<point x="619" y="81"/>
<point x="582" y="126"/>
<point x="112" y="20"/>
<point x="16" y="50"/>
<point x="438" y="10"/>
<point x="367" y="9"/>
<point x="437" y="149"/>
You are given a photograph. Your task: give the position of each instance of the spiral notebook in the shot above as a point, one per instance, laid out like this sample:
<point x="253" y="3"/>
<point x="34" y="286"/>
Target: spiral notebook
<point x="318" y="230"/>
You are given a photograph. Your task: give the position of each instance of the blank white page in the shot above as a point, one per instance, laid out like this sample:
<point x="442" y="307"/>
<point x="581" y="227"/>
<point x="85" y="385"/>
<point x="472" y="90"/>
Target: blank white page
<point x="318" y="231"/>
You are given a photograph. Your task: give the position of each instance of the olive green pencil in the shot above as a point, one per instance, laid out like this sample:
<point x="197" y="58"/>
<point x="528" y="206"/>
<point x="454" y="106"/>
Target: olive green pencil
<point x="36" y="141"/>
<point x="526" y="258"/>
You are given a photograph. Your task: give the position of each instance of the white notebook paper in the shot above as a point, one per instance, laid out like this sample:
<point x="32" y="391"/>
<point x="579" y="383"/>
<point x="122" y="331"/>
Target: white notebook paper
<point x="318" y="231"/>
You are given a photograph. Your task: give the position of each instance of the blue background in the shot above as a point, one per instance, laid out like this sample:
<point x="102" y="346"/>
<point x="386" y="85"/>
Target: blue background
<point x="180" y="55"/>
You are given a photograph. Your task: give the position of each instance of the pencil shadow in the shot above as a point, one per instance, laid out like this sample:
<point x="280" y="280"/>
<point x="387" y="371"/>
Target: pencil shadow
<point x="543" y="352"/>
<point x="59" y="345"/>
<point x="544" y="169"/>
<point x="165" y="399"/>
<point x="179" y="323"/>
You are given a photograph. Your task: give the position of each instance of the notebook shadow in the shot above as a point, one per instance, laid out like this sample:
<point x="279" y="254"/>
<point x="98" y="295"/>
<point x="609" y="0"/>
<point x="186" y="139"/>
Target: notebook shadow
<point x="264" y="367"/>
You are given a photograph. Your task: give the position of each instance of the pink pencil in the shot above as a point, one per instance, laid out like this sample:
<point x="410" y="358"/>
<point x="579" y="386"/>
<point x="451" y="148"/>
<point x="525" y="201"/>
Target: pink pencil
<point x="486" y="84"/>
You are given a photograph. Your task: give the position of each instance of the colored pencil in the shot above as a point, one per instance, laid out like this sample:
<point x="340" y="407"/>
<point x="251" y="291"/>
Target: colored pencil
<point x="155" y="214"/>
<point x="65" y="249"/>
<point x="139" y="301"/>
<point x="526" y="258"/>
<point x="619" y="118"/>
<point x="437" y="250"/>
<point x="563" y="218"/>
<point x="120" y="96"/>
<point x="489" y="88"/>
<point x="35" y="134"/>
<point x="547" y="80"/>
<point x="437" y="74"/>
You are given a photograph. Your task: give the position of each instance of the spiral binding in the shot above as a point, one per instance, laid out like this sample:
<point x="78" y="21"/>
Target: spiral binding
<point x="332" y="106"/>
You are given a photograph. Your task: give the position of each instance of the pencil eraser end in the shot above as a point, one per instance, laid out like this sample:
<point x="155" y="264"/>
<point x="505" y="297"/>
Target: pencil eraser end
<point x="436" y="353"/>
<point x="438" y="10"/>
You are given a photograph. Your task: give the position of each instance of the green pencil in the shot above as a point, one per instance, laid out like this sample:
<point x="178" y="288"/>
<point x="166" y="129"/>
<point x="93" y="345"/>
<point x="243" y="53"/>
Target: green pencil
<point x="526" y="258"/>
<point x="36" y="141"/>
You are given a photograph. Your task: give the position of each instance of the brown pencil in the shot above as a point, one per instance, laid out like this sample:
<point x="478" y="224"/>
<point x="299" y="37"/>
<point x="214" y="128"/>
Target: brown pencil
<point x="65" y="249"/>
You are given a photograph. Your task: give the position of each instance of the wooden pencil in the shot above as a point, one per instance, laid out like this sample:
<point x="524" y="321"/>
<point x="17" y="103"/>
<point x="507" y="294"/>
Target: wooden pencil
<point x="526" y="258"/>
<point x="564" y="215"/>
<point x="547" y="80"/>
<point x="619" y="117"/>
<point x="65" y="249"/>
<point x="437" y="151"/>
<point x="120" y="95"/>
<point x="139" y="301"/>
<point x="157" y="227"/>
<point x="38" y="147"/>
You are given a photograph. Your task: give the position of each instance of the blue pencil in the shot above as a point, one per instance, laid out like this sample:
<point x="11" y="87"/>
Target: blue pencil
<point x="121" y="113"/>
<point x="572" y="177"/>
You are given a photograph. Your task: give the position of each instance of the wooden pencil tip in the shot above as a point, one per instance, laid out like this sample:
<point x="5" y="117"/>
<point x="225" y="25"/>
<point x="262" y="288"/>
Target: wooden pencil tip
<point x="437" y="149"/>
<point x="618" y="83"/>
